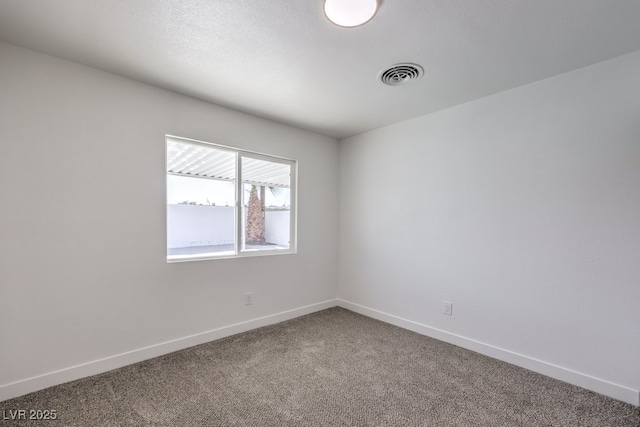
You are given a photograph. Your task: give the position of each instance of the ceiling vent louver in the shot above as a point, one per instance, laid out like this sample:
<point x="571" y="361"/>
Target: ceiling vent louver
<point x="400" y="74"/>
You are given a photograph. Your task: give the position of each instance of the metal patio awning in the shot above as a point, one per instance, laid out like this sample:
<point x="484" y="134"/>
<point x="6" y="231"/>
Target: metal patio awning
<point x="201" y="161"/>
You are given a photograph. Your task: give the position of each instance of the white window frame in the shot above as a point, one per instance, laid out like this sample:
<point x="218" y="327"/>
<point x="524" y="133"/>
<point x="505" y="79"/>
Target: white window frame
<point x="239" y="208"/>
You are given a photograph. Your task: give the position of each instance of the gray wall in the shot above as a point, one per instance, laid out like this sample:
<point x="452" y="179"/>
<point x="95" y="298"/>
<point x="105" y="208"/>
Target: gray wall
<point x="83" y="272"/>
<point x="523" y="209"/>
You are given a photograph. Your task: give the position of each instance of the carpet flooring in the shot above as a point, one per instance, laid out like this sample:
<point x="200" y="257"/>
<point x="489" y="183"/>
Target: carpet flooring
<point x="331" y="368"/>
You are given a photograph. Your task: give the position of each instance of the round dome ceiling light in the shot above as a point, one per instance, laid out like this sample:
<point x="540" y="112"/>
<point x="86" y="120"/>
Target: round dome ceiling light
<point x="350" y="13"/>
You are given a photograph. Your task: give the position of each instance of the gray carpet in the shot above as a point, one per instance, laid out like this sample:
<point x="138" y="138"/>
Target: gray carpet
<point x="332" y="368"/>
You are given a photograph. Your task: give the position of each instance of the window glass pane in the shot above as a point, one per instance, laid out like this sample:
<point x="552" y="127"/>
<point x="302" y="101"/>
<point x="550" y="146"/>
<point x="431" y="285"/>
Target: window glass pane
<point x="224" y="202"/>
<point x="200" y="201"/>
<point x="266" y="201"/>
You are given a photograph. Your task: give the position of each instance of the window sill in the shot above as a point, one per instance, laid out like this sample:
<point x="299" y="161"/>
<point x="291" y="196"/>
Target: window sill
<point x="227" y="255"/>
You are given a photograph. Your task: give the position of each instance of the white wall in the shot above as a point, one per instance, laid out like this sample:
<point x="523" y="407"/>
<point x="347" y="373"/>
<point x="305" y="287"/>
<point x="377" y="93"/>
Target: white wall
<point x="200" y="225"/>
<point x="277" y="227"/>
<point x="88" y="147"/>
<point x="523" y="209"/>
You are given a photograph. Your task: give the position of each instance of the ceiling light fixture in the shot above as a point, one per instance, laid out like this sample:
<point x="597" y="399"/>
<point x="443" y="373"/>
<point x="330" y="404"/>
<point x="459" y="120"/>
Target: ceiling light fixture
<point x="350" y="13"/>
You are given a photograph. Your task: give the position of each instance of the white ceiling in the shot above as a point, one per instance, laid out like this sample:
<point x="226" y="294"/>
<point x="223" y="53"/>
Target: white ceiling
<point x="281" y="59"/>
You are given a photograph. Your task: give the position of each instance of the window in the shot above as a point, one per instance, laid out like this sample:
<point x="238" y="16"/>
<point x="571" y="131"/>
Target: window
<point x="224" y="202"/>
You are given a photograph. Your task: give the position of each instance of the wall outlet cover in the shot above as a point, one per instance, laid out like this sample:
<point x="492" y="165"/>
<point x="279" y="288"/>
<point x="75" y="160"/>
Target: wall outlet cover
<point x="448" y="308"/>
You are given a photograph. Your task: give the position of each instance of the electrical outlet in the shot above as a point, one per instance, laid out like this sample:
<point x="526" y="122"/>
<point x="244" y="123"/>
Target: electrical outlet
<point x="448" y="308"/>
<point x="248" y="298"/>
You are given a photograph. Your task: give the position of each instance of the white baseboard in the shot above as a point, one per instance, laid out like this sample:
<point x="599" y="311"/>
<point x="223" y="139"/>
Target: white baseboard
<point x="28" y="385"/>
<point x="570" y="376"/>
